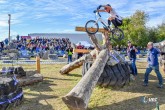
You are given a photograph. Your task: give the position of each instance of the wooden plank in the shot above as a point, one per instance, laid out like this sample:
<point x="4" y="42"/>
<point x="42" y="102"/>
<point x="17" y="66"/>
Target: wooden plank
<point x="81" y="51"/>
<point x="82" y="29"/>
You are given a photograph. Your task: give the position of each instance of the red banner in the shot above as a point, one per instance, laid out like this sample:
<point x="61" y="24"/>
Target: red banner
<point x="26" y="37"/>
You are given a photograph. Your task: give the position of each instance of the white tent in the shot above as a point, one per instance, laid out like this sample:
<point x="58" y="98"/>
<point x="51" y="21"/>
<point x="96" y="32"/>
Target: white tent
<point x="159" y="43"/>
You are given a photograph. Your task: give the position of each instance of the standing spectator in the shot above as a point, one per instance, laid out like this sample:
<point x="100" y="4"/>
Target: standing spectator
<point x="70" y="52"/>
<point x="6" y="41"/>
<point x="118" y="49"/>
<point x="131" y="52"/>
<point x="17" y="37"/>
<point x="79" y="54"/>
<point x="153" y="64"/>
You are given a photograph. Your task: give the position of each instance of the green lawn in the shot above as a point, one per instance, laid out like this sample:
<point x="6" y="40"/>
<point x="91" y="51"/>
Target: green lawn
<point x="47" y="95"/>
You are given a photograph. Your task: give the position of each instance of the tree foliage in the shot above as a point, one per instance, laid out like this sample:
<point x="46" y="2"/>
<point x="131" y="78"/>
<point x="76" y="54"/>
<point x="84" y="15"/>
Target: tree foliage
<point x="138" y="33"/>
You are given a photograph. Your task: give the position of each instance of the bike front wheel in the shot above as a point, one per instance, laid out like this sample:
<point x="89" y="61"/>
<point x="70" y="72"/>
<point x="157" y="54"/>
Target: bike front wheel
<point x="117" y="34"/>
<point x="91" y="27"/>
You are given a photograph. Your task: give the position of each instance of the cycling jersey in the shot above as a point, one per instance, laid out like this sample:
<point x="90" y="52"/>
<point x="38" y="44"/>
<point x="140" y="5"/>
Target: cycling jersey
<point x="114" y="14"/>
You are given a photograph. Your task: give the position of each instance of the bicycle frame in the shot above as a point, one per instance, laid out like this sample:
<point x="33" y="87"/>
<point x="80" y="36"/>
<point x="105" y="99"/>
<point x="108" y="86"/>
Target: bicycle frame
<point x="99" y="19"/>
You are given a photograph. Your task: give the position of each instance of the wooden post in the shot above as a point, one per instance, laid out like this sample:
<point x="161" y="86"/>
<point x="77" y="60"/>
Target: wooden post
<point x="106" y="41"/>
<point x="95" y="42"/>
<point x="38" y="64"/>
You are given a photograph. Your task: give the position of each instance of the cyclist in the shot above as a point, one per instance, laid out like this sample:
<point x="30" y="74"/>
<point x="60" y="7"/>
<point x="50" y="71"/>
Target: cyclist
<point x="114" y="17"/>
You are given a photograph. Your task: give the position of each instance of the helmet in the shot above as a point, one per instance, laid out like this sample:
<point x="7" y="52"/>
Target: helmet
<point x="108" y="5"/>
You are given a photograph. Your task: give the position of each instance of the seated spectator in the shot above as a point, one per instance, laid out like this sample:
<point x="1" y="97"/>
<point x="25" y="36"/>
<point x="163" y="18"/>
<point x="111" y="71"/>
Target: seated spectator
<point x="38" y="49"/>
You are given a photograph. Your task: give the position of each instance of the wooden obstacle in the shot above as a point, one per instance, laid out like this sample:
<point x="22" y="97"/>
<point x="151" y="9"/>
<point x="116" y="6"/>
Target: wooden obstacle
<point x="82" y="29"/>
<point x="78" y="97"/>
<point x="84" y="51"/>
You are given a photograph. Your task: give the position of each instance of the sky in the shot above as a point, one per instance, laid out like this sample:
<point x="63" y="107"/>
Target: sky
<point x="61" y="16"/>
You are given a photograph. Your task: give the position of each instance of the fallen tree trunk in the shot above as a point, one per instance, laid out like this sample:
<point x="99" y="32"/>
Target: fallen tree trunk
<point x="95" y="42"/>
<point x="78" y="97"/>
<point x="76" y="64"/>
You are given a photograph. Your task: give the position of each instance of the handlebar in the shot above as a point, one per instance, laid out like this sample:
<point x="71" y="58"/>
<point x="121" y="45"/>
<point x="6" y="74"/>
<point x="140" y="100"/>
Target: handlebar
<point x="96" y="11"/>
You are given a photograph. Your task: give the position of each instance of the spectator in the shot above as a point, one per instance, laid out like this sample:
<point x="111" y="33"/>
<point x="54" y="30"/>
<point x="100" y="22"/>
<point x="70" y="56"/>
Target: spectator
<point x="70" y="52"/>
<point x="38" y="44"/>
<point x="118" y="49"/>
<point x="17" y="37"/>
<point x="79" y="54"/>
<point x="6" y="41"/>
<point x="153" y="65"/>
<point x="131" y="52"/>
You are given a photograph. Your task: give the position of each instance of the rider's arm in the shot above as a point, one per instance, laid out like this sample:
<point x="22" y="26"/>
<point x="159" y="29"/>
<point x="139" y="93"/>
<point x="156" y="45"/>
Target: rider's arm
<point x="101" y="10"/>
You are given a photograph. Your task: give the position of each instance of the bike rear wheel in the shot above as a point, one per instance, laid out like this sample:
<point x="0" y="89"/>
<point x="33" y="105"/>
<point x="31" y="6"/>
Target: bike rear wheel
<point x="117" y="34"/>
<point x="91" y="27"/>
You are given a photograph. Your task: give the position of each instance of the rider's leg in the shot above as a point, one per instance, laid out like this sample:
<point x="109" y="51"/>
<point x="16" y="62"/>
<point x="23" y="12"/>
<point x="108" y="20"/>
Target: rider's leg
<point x="109" y="22"/>
<point x="113" y="21"/>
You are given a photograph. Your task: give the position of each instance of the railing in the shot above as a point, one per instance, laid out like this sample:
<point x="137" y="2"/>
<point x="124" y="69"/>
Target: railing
<point x="27" y="62"/>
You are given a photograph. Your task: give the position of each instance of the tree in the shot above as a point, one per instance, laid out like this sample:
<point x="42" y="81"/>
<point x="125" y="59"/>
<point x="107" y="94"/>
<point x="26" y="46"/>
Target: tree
<point x="161" y="32"/>
<point x="152" y="34"/>
<point x="138" y="28"/>
<point x="135" y="30"/>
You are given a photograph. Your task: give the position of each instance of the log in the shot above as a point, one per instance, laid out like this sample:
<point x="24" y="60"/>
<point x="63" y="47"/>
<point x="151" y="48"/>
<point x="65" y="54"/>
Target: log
<point x="76" y="64"/>
<point x="78" y="97"/>
<point x="106" y="41"/>
<point x="95" y="42"/>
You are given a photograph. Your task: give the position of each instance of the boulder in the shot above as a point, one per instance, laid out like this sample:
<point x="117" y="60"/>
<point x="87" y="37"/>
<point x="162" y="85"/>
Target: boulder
<point x="30" y="78"/>
<point x="45" y="55"/>
<point x="19" y="71"/>
<point x="53" y="56"/>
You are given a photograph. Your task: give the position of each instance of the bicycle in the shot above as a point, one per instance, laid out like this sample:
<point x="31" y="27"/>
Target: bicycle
<point x="117" y="33"/>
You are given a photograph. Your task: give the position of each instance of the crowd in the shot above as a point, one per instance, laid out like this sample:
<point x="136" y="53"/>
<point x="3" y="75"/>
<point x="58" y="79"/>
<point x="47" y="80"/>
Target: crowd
<point x="37" y="44"/>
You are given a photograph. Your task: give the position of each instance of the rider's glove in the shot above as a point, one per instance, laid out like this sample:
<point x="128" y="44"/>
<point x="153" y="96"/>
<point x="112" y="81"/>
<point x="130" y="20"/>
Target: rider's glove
<point x="99" y="6"/>
<point x="94" y="11"/>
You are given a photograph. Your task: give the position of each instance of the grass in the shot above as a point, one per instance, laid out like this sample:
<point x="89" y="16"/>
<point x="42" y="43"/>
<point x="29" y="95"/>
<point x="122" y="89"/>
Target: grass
<point x="47" y="94"/>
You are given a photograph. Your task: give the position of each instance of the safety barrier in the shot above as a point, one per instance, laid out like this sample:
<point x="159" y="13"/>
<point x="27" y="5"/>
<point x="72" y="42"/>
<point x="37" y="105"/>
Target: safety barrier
<point x="27" y="62"/>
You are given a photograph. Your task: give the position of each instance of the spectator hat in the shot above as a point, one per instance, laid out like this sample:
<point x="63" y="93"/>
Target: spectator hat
<point x="150" y="43"/>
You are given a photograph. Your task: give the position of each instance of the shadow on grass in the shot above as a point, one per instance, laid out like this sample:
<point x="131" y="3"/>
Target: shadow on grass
<point x="59" y="79"/>
<point x="130" y="104"/>
<point x="38" y="102"/>
<point x="75" y="75"/>
<point x="137" y="87"/>
<point x="42" y="86"/>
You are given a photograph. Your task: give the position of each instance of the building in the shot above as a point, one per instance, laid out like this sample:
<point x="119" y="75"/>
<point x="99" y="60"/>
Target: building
<point x="74" y="37"/>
